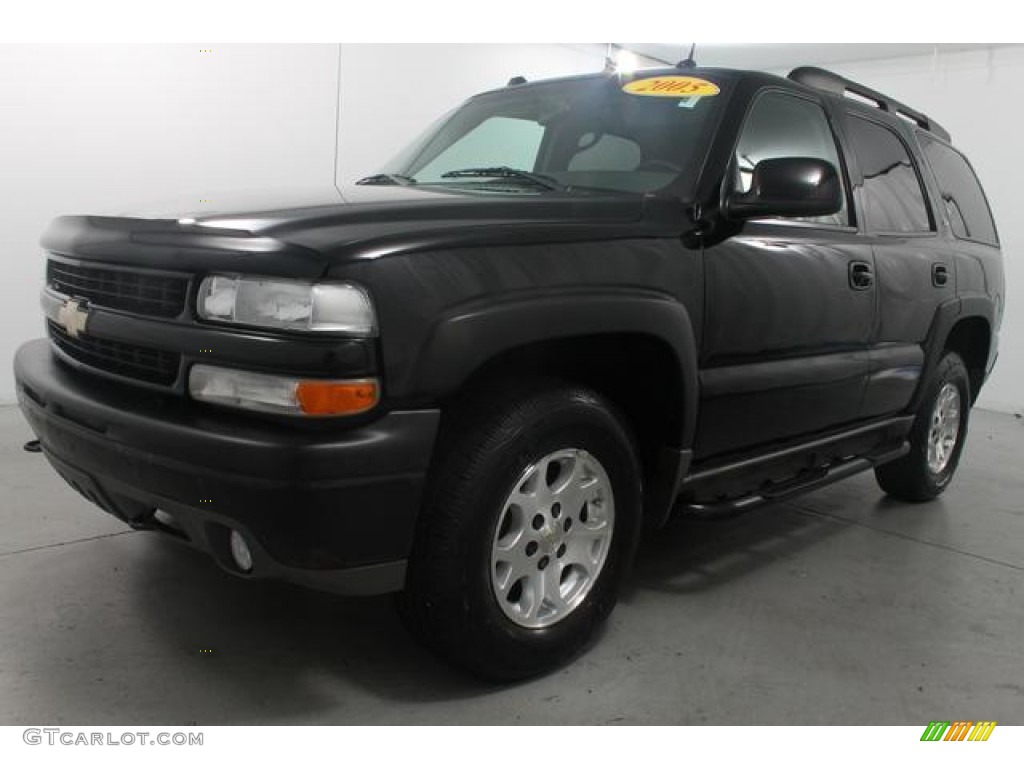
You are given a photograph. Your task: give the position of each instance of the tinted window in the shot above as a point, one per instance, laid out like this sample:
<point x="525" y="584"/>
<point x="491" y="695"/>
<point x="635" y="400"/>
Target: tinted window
<point x="893" y="198"/>
<point x="607" y="152"/>
<point x="780" y="125"/>
<point x="961" y="192"/>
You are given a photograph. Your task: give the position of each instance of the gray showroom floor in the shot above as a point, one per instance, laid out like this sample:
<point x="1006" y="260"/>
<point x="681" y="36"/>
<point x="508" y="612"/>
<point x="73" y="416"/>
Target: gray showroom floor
<point x="839" y="608"/>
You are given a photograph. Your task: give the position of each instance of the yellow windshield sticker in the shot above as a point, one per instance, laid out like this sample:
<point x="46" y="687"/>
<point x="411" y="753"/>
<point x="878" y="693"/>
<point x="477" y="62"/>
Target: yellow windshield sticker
<point x="672" y="86"/>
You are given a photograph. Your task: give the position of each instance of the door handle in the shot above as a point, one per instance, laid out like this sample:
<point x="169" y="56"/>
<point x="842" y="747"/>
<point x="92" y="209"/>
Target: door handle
<point x="861" y="276"/>
<point x="940" y="275"/>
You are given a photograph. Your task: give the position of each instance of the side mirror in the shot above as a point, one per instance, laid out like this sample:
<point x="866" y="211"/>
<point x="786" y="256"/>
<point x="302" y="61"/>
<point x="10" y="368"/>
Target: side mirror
<point x="788" y="186"/>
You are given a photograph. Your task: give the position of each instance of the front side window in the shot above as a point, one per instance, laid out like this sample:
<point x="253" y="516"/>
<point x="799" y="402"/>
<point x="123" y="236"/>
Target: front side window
<point x="582" y="134"/>
<point x="893" y="196"/>
<point x="784" y="125"/>
<point x="962" y="196"/>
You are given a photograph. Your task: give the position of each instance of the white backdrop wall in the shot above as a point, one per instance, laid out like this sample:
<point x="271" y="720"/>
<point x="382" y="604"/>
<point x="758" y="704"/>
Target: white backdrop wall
<point x="976" y="96"/>
<point x="87" y="128"/>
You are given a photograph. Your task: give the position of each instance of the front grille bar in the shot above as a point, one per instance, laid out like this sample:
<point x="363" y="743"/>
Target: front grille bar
<point x="156" y="366"/>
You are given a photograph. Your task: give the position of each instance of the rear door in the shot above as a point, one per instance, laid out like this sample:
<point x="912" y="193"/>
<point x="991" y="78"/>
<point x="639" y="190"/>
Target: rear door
<point x="789" y="302"/>
<point x="914" y="270"/>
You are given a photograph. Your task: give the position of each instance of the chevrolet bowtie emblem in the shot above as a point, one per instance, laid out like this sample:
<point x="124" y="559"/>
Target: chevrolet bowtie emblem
<point x="73" y="316"/>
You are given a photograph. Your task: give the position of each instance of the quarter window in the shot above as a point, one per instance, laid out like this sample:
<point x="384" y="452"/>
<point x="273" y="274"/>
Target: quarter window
<point x="962" y="196"/>
<point x="784" y="125"/>
<point x="893" y="197"/>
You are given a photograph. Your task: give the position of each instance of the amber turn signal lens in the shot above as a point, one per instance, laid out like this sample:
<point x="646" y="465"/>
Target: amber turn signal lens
<point x="336" y="398"/>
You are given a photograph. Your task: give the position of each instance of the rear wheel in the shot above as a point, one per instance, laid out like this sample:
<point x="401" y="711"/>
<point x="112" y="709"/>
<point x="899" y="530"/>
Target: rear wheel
<point x="528" y="527"/>
<point x="937" y="437"/>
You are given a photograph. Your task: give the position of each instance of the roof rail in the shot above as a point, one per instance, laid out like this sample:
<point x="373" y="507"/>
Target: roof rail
<point x="830" y="82"/>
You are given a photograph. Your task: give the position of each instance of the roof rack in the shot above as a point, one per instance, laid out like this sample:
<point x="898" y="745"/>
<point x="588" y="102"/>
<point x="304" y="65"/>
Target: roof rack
<point x="830" y="82"/>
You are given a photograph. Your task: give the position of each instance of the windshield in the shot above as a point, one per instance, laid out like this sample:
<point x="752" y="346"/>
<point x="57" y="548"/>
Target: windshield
<point x="574" y="134"/>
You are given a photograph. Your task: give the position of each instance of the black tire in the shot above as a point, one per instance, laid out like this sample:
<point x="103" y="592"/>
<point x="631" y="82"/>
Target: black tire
<point x="449" y="603"/>
<point x="909" y="478"/>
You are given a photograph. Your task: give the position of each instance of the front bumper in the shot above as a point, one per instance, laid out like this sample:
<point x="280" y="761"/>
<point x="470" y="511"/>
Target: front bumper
<point x="330" y="509"/>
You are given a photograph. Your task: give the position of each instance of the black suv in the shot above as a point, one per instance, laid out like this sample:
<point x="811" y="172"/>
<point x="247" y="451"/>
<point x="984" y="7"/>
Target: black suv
<point x="573" y="307"/>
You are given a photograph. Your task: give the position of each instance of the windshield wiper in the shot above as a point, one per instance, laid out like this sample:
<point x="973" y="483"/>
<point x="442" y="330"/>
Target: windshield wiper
<point x="388" y="178"/>
<point x="504" y="172"/>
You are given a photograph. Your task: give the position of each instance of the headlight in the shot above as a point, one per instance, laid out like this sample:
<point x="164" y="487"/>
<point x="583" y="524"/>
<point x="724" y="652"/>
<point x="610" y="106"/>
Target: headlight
<point x="293" y="305"/>
<point x="282" y="394"/>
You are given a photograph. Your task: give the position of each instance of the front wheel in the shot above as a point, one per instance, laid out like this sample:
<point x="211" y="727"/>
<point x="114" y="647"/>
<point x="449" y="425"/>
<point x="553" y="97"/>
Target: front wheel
<point x="530" y="522"/>
<point x="936" y="439"/>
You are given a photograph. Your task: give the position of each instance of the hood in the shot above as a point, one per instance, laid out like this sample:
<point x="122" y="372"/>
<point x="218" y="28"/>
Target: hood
<point x="292" y="210"/>
<point x="230" y="203"/>
<point x="322" y="228"/>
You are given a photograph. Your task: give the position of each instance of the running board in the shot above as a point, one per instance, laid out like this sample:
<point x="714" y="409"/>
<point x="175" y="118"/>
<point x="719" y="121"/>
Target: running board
<point x="809" y="481"/>
<point x="891" y="430"/>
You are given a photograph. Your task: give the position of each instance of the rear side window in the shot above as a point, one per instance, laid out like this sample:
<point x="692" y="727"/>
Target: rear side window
<point x="965" y="203"/>
<point x="893" y="197"/>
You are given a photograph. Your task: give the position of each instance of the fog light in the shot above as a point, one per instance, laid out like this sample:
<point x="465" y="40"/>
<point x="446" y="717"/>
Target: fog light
<point x="240" y="551"/>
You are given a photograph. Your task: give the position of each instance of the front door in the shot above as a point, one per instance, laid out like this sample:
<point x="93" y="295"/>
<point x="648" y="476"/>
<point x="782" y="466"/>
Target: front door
<point x="789" y="302"/>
